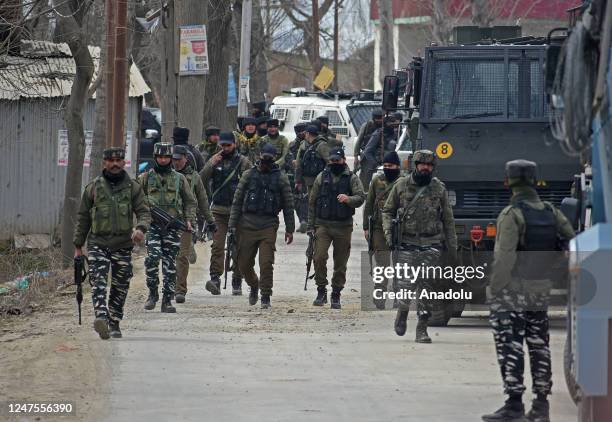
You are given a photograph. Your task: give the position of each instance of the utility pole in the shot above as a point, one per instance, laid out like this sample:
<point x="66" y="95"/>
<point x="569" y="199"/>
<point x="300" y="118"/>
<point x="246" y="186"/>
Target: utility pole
<point x="336" y="42"/>
<point x="109" y="68"/>
<point x="315" y="38"/>
<point x="245" y="58"/>
<point x="121" y="74"/>
<point x="169" y="71"/>
<point x="385" y="16"/>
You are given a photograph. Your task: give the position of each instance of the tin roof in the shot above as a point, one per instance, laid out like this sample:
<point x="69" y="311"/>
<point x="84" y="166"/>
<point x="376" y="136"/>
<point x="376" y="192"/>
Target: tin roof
<point x="46" y="70"/>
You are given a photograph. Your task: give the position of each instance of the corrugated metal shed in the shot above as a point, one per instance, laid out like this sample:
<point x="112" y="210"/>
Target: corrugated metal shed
<point x="32" y="97"/>
<point x="46" y="70"/>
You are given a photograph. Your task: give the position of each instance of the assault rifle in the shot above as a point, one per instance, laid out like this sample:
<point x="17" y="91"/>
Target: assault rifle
<point x="370" y="242"/>
<point x="165" y="220"/>
<point x="80" y="274"/>
<point x="230" y="255"/>
<point x="309" y="256"/>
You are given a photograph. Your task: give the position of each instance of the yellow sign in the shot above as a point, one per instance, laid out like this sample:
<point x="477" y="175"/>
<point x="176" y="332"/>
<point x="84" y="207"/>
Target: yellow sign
<point x="444" y="150"/>
<point x="324" y="79"/>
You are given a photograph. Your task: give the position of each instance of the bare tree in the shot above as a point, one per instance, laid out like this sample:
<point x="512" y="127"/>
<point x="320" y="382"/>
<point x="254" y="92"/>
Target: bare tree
<point x="70" y="29"/>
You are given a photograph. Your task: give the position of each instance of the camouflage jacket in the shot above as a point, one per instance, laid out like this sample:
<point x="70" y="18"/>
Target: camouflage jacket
<point x="375" y="201"/>
<point x="171" y="192"/>
<point x="356" y="199"/>
<point x="249" y="147"/>
<point x="511" y="232"/>
<point x="427" y="222"/>
<point x="198" y="191"/>
<point x="280" y="143"/>
<point x="208" y="149"/>
<point x="108" y="220"/>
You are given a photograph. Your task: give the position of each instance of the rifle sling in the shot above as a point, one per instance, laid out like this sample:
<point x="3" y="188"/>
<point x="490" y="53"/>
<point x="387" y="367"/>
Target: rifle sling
<point x="228" y="178"/>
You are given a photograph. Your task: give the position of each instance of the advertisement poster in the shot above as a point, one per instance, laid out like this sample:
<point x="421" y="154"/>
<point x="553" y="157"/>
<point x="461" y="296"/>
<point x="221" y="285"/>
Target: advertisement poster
<point x="193" y="50"/>
<point x="62" y="148"/>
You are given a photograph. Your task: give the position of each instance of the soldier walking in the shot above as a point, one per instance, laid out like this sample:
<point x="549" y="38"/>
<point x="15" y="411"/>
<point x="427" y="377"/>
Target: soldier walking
<point x="312" y="159"/>
<point x="247" y="140"/>
<point x="210" y="146"/>
<point x="184" y="166"/>
<point x="222" y="173"/>
<point x="326" y="133"/>
<point x="180" y="136"/>
<point x="278" y="141"/>
<point x="105" y="220"/>
<point x="365" y="132"/>
<point x="520" y="291"/>
<point x="372" y="215"/>
<point x="382" y="141"/>
<point x="335" y="194"/>
<point x="426" y="229"/>
<point x="263" y="191"/>
<point x="300" y="198"/>
<point x="169" y="191"/>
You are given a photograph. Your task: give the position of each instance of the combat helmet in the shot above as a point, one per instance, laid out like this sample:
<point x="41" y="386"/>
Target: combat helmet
<point x="424" y="156"/>
<point x="521" y="172"/>
<point x="162" y="149"/>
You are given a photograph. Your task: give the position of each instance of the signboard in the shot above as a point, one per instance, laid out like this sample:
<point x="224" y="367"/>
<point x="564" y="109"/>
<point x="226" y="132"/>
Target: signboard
<point x="324" y="79"/>
<point x="62" y="148"/>
<point x="232" y="97"/>
<point x="193" y="49"/>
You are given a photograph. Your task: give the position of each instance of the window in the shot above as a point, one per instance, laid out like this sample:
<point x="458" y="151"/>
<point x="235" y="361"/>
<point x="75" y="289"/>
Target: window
<point x="307" y="115"/>
<point x="280" y="114"/>
<point x="335" y="119"/>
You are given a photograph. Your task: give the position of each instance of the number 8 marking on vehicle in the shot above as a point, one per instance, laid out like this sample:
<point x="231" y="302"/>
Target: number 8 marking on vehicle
<point x="444" y="150"/>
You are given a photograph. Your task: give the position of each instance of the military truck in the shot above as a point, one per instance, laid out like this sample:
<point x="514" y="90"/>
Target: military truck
<point x="478" y="107"/>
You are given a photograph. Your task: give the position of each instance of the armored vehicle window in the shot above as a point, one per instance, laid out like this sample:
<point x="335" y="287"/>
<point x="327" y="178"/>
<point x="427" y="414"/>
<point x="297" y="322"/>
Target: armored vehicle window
<point x="360" y="113"/>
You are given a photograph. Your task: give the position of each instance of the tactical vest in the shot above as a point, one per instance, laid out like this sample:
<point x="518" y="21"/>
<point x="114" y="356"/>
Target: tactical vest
<point x="225" y="195"/>
<point x="327" y="205"/>
<point x="111" y="213"/>
<point x="165" y="192"/>
<point x="312" y="163"/>
<point x="540" y="236"/>
<point x="424" y="217"/>
<point x="263" y="196"/>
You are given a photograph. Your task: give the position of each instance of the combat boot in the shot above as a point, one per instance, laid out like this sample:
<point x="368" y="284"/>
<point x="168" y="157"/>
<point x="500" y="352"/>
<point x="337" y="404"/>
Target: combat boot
<point x="101" y="326"/>
<point x="166" y="305"/>
<point x="421" y="331"/>
<point x="236" y="287"/>
<point x="214" y="285"/>
<point x="265" y="301"/>
<point x="401" y="322"/>
<point x="253" y="296"/>
<point x="379" y="303"/>
<point x="512" y="411"/>
<point x="321" y="298"/>
<point x="179" y="297"/>
<point x="151" y="300"/>
<point x="335" y="299"/>
<point x="115" y="331"/>
<point x="539" y="412"/>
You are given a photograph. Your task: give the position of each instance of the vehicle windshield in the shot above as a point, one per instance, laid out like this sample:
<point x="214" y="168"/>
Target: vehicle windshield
<point x="360" y="113"/>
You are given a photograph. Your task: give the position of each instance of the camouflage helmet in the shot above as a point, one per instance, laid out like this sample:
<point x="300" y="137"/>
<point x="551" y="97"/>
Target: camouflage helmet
<point x="163" y="149"/>
<point x="424" y="156"/>
<point x="521" y="172"/>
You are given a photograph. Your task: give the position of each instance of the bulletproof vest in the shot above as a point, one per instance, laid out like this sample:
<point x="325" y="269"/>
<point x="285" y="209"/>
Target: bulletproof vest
<point x="327" y="205"/>
<point x="312" y="163"/>
<point x="224" y="195"/>
<point x="540" y="236"/>
<point x="111" y="213"/>
<point x="165" y="192"/>
<point x="263" y="193"/>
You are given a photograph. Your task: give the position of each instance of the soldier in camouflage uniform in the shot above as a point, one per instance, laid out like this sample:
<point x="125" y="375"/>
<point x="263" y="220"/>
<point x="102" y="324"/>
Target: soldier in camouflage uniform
<point x="365" y="132"/>
<point x="210" y="146"/>
<point x="262" y="126"/>
<point x="427" y="227"/>
<point x="247" y="141"/>
<point x="333" y="198"/>
<point x="263" y="191"/>
<point x="520" y="289"/>
<point x="278" y="141"/>
<point x="300" y="198"/>
<point x="184" y="166"/>
<point x="105" y="219"/>
<point x="170" y="191"/>
<point x="377" y="195"/>
<point x="222" y="173"/>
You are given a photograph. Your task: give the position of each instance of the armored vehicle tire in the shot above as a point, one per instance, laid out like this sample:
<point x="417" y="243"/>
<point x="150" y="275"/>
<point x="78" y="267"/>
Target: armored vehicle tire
<point x="440" y="317"/>
<point x="572" y="386"/>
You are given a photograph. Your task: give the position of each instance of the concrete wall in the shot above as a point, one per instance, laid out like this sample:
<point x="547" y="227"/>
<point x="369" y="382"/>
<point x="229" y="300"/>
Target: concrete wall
<point x="31" y="182"/>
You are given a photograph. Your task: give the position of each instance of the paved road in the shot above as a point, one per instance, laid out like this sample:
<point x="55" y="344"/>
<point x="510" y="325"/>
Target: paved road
<point x="220" y="359"/>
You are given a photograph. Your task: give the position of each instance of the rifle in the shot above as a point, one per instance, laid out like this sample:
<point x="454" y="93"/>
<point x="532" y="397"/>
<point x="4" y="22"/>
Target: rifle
<point x="309" y="256"/>
<point x="165" y="220"/>
<point x="370" y="242"/>
<point x="80" y="274"/>
<point x="230" y="255"/>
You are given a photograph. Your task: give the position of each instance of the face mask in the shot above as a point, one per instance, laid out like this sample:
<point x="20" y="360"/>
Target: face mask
<point x="391" y="174"/>
<point x="162" y="169"/>
<point x="336" y="168"/>
<point x="421" y="178"/>
<point x="377" y="124"/>
<point x="262" y="131"/>
<point x="249" y="135"/>
<point x="389" y="130"/>
<point x="265" y="165"/>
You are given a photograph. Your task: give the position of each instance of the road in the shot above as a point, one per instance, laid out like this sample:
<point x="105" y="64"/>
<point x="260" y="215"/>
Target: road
<point x="220" y="359"/>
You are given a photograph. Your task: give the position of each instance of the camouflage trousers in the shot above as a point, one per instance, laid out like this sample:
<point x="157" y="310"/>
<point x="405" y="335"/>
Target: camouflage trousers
<point x="517" y="318"/>
<point x="120" y="264"/>
<point x="415" y="256"/>
<point x="162" y="245"/>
